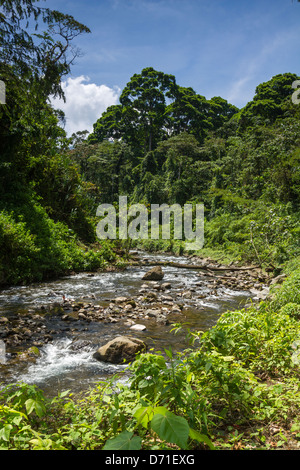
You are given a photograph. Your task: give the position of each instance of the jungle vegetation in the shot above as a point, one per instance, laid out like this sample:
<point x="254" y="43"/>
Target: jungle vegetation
<point x="237" y="385"/>
<point x="163" y="143"/>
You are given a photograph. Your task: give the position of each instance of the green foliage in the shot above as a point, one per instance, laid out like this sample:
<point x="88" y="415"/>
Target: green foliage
<point x="154" y="107"/>
<point x="292" y="309"/>
<point x="34" y="247"/>
<point x="17" y="249"/>
<point x="125" y="441"/>
<point x="148" y="371"/>
<point x="42" y="57"/>
<point x="26" y="399"/>
<point x="47" y="210"/>
<point x="265" y="234"/>
<point x="162" y="144"/>
<point x="107" y="165"/>
<point x="270" y="97"/>
<point x="169" y="427"/>
<point x="288" y="293"/>
<point x="261" y="340"/>
<point x="242" y="164"/>
<point x="15" y="428"/>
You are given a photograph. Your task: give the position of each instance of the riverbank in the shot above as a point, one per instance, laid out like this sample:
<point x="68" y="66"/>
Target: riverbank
<point x="253" y="404"/>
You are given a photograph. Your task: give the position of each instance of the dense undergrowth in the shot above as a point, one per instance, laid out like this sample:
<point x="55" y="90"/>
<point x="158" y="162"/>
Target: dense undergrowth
<point x="235" y="386"/>
<point x="48" y="250"/>
<point x="268" y="236"/>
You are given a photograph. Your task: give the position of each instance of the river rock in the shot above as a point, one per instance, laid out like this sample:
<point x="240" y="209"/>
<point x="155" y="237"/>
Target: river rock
<point x="260" y="295"/>
<point x="138" y="327"/>
<point x="162" y="320"/>
<point x="176" y="309"/>
<point x="151" y="297"/>
<point x="78" y="344"/>
<point x="152" y="313"/>
<point x="154" y="274"/>
<point x="128" y="308"/>
<point x="120" y="350"/>
<point x="121" y="300"/>
<point x="166" y="298"/>
<point x="30" y="355"/>
<point x="166" y="285"/>
<point x="187" y="294"/>
<point x="278" y="280"/>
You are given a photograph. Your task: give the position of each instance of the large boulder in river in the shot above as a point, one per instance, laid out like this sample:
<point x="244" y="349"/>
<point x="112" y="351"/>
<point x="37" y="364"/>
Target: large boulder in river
<point x="121" y="349"/>
<point x="155" y="274"/>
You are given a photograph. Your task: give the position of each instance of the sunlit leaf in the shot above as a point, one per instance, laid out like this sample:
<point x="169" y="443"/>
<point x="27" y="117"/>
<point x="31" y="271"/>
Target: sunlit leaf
<point x="171" y="428"/>
<point x="196" y="436"/>
<point x="124" y="441"/>
<point x="144" y="415"/>
<point x="5" y="432"/>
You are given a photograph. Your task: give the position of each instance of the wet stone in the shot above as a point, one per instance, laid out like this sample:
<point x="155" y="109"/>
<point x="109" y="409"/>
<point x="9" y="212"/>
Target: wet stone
<point x="138" y="327"/>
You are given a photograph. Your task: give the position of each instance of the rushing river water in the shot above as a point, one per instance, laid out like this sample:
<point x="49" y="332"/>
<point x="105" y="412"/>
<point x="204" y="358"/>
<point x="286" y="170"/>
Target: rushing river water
<point x="62" y="366"/>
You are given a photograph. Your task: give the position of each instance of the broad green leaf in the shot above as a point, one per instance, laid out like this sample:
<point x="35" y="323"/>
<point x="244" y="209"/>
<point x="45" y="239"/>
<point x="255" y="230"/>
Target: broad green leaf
<point x="40" y="409"/>
<point x="162" y="410"/>
<point x="30" y="405"/>
<point x="39" y="443"/>
<point x="171" y="428"/>
<point x="196" y="436"/>
<point x="124" y="441"/>
<point x="11" y="411"/>
<point x="34" y="405"/>
<point x="5" y="432"/>
<point x="144" y="415"/>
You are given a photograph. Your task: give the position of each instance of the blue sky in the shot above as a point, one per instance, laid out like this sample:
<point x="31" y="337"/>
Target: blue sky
<point x="217" y="47"/>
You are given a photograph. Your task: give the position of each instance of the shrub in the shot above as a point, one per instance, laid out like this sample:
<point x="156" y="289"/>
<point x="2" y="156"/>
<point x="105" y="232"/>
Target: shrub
<point x="34" y="247"/>
<point x="291" y="309"/>
<point x="289" y="291"/>
<point x="17" y="248"/>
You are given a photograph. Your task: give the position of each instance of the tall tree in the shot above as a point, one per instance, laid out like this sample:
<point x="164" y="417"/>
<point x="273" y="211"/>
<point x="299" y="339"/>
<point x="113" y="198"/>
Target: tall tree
<point x="31" y="140"/>
<point x="140" y="118"/>
<point x="221" y="111"/>
<point x="189" y="112"/>
<point x="32" y="66"/>
<point x="153" y="107"/>
<point x="269" y="101"/>
<point x="146" y="94"/>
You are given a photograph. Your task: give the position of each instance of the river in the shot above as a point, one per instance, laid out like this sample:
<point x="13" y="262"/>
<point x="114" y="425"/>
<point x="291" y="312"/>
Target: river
<point x="61" y="366"/>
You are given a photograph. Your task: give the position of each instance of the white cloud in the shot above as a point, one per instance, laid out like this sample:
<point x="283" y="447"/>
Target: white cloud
<point x="85" y="102"/>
